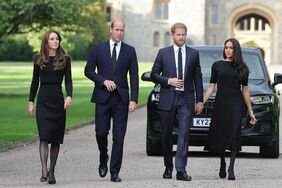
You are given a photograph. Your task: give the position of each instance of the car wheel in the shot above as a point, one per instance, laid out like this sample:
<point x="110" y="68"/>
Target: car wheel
<point x="272" y="150"/>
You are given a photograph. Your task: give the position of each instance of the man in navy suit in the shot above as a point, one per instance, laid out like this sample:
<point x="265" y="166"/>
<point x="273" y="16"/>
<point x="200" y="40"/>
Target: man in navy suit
<point x="177" y="69"/>
<point x="108" y="66"/>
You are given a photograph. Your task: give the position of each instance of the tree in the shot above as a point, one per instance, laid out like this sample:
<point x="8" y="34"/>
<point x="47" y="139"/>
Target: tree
<point x="25" y="16"/>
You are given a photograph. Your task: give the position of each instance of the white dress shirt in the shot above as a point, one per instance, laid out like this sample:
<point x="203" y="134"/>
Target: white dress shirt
<point x="183" y="51"/>
<point x="117" y="47"/>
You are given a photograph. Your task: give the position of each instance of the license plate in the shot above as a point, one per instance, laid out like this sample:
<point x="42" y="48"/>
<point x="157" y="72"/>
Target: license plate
<point x="201" y="122"/>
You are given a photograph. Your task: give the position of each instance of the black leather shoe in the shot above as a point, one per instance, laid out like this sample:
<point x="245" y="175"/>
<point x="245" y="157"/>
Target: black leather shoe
<point x="167" y="173"/>
<point x="222" y="171"/>
<point x="115" y="178"/>
<point x="183" y="176"/>
<point x="103" y="168"/>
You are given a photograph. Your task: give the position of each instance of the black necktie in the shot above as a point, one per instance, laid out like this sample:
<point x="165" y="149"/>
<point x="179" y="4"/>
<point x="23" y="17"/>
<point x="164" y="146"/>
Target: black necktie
<point x="180" y="71"/>
<point x="114" y="55"/>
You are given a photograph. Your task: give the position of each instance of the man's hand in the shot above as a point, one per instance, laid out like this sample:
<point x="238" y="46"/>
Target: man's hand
<point x="199" y="107"/>
<point x="110" y="85"/>
<point x="132" y="106"/>
<point x="175" y="82"/>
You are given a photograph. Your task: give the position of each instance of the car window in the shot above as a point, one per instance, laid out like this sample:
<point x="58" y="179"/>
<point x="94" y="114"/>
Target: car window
<point x="255" y="68"/>
<point x="207" y="58"/>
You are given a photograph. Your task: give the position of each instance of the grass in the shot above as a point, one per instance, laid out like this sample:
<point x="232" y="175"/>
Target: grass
<point x="17" y="126"/>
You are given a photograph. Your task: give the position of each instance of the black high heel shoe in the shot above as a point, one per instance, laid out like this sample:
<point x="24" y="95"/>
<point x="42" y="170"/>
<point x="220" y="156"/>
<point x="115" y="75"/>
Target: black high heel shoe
<point x="231" y="175"/>
<point x="44" y="179"/>
<point x="222" y="171"/>
<point x="52" y="179"/>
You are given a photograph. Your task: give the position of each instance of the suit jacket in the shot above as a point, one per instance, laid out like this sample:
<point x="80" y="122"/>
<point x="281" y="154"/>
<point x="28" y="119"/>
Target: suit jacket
<point x="165" y="67"/>
<point x="99" y="68"/>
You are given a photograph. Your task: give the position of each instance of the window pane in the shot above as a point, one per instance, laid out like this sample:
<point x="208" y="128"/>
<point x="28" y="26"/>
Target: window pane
<point x="214" y="14"/>
<point x="156" y="39"/>
<point x="158" y="11"/>
<point x="165" y="11"/>
<point x="167" y="39"/>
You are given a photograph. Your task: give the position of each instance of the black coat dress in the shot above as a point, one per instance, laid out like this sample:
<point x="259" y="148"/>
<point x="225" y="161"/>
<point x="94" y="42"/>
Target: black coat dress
<point x="50" y="112"/>
<point x="225" y="129"/>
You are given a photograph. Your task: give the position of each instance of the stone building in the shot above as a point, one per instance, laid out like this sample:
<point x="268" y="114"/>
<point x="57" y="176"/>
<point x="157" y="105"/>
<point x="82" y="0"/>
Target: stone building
<point x="253" y="22"/>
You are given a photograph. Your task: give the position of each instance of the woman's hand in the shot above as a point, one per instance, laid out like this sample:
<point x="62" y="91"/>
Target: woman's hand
<point x="67" y="102"/>
<point x="253" y="118"/>
<point x="31" y="108"/>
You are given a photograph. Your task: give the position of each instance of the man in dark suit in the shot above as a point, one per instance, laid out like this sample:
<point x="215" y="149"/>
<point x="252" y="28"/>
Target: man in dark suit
<point x="177" y="69"/>
<point x="108" y="66"/>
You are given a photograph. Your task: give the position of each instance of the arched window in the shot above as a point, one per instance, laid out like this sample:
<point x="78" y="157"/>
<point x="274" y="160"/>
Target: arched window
<point x="109" y="13"/>
<point x="167" y="40"/>
<point x="156" y="39"/>
<point x="252" y="22"/>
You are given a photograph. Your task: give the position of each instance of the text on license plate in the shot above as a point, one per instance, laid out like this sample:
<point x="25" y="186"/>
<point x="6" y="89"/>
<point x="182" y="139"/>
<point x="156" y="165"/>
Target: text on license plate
<point x="201" y="122"/>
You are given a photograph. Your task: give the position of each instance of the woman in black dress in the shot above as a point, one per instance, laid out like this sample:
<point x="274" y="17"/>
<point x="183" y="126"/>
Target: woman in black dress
<point x="51" y="65"/>
<point x="231" y="76"/>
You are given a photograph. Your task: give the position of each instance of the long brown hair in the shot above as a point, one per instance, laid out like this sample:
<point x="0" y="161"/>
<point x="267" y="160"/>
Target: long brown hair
<point x="43" y="58"/>
<point x="240" y="67"/>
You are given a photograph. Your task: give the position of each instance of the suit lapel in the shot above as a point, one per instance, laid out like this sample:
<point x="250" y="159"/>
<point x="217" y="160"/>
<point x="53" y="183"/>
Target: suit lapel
<point x="173" y="65"/>
<point x="121" y="50"/>
<point x="187" y="61"/>
<point x="108" y="51"/>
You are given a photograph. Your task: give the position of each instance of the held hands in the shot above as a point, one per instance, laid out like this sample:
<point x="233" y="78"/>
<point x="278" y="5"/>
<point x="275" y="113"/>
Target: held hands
<point x="31" y="108"/>
<point x="110" y="85"/>
<point x="253" y="118"/>
<point x="132" y="106"/>
<point x="199" y="107"/>
<point x="175" y="82"/>
<point x="67" y="102"/>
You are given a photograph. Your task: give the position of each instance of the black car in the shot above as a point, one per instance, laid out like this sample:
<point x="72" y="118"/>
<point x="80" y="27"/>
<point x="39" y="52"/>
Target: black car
<point x="264" y="98"/>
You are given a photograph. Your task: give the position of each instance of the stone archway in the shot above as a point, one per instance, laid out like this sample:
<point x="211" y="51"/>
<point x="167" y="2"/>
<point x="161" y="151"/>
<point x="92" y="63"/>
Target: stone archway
<point x="255" y="25"/>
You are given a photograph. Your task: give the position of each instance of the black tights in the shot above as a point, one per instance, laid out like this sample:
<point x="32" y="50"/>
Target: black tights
<point x="44" y="151"/>
<point x="232" y="159"/>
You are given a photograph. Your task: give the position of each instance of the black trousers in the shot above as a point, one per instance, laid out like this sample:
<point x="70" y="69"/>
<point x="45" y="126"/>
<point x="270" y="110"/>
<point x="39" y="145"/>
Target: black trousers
<point x="116" y="110"/>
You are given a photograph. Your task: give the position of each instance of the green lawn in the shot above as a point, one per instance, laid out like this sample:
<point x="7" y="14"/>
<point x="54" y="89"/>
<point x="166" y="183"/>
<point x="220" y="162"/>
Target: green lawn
<point x="15" y="123"/>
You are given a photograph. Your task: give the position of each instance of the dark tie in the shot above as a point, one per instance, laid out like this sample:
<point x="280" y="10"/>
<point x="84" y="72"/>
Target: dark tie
<point x="114" y="55"/>
<point x="180" y="71"/>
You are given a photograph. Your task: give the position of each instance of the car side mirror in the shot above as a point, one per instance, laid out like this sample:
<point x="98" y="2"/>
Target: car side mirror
<point x="146" y="76"/>
<point x="277" y="79"/>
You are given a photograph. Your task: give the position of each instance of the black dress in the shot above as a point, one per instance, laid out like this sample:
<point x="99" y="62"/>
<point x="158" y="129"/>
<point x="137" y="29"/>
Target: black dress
<point x="50" y="112"/>
<point x="225" y="129"/>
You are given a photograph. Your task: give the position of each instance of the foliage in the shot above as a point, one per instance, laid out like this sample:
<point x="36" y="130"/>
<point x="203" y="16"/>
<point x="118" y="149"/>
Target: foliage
<point x="77" y="46"/>
<point x="80" y="16"/>
<point x="15" y="49"/>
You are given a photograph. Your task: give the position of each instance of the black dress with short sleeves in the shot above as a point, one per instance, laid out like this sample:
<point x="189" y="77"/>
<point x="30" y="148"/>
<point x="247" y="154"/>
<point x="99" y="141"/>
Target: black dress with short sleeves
<point x="225" y="129"/>
<point x="50" y="112"/>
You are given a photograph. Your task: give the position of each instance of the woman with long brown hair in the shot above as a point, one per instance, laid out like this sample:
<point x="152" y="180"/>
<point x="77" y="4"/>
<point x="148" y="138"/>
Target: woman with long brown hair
<point x="231" y="76"/>
<point x="51" y="65"/>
